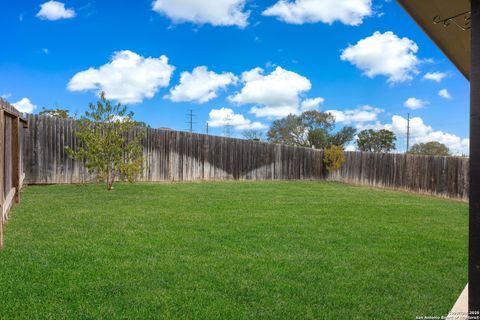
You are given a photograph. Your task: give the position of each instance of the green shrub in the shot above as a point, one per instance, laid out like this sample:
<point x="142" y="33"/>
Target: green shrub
<point x="333" y="158"/>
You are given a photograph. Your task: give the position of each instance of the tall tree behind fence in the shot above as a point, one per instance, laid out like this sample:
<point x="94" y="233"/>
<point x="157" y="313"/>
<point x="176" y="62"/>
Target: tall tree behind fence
<point x="181" y="156"/>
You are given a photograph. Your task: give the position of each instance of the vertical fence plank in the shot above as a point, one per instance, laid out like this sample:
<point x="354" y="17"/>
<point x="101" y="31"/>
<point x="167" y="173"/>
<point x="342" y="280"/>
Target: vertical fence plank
<point x="16" y="157"/>
<point x="2" y="175"/>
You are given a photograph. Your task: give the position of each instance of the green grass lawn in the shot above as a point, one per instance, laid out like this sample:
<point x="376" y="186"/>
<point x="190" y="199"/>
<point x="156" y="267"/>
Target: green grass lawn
<point x="233" y="250"/>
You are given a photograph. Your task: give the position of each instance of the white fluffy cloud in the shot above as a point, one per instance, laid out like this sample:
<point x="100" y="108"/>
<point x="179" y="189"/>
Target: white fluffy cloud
<point x="225" y="116"/>
<point x="24" y="105"/>
<point x="274" y="95"/>
<point x="54" y="10"/>
<point x="350" y="12"/>
<point x="358" y="116"/>
<point x="200" y="86"/>
<point x="128" y="78"/>
<point x="384" y="54"/>
<point x="422" y="133"/>
<point x="417" y="127"/>
<point x="311" y="104"/>
<point x="414" y="103"/>
<point x="214" y="12"/>
<point x="435" y="76"/>
<point x="444" y="94"/>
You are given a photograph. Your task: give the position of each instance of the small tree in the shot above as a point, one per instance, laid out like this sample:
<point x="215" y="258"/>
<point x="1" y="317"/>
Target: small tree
<point x="333" y="158"/>
<point x="381" y="141"/>
<point x="104" y="145"/>
<point x="432" y="148"/>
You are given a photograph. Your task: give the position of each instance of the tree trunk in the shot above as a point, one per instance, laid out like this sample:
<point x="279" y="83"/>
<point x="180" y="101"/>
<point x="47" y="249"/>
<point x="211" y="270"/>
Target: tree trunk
<point x="110" y="179"/>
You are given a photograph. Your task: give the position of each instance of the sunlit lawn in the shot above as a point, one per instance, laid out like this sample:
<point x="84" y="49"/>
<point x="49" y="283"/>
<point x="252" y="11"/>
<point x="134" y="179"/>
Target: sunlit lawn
<point x="232" y="250"/>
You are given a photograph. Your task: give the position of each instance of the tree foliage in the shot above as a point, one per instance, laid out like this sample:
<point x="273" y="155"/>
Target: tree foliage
<point x="254" y="135"/>
<point x="310" y="129"/>
<point x="381" y="141"/>
<point x="57" y="112"/>
<point x="104" y="146"/>
<point x="432" y="148"/>
<point x="333" y="158"/>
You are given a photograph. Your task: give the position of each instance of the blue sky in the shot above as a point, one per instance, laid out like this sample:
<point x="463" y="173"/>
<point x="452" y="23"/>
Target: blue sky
<point x="247" y="63"/>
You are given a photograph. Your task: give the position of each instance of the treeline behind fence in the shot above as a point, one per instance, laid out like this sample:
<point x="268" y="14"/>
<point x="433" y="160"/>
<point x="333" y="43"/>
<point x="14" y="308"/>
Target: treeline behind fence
<point x="181" y="156"/>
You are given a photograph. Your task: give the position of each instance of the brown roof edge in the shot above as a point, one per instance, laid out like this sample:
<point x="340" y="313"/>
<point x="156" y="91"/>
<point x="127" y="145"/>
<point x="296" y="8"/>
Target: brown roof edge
<point x="453" y="42"/>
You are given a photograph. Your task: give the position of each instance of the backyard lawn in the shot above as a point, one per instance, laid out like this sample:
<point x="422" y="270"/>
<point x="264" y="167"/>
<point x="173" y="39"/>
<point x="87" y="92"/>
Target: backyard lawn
<point x="231" y="250"/>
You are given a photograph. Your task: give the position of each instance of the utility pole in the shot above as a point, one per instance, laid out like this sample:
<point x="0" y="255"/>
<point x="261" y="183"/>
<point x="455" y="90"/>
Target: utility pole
<point x="190" y="121"/>
<point x="206" y="128"/>
<point x="408" y="132"/>
<point x="228" y="127"/>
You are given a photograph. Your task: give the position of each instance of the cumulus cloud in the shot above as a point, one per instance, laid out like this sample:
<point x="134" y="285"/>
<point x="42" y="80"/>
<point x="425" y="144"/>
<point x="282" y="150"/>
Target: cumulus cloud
<point x="24" y="105"/>
<point x="422" y="133"/>
<point x="414" y="103"/>
<point x="274" y="95"/>
<point x="417" y="127"/>
<point x="350" y="12"/>
<point x="376" y="125"/>
<point x="384" y="54"/>
<point x="358" y="116"/>
<point x="435" y="76"/>
<point x="311" y="104"/>
<point x="225" y="116"/>
<point x="444" y="94"/>
<point x="214" y="12"/>
<point x="54" y="10"/>
<point x="128" y="78"/>
<point x="200" y="86"/>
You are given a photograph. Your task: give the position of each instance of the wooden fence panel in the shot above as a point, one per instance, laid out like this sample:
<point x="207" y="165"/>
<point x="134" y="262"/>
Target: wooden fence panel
<point x="441" y="176"/>
<point x="11" y="162"/>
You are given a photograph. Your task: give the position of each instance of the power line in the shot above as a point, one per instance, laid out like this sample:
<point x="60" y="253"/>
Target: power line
<point x="227" y="128"/>
<point x="408" y="133"/>
<point x="190" y="121"/>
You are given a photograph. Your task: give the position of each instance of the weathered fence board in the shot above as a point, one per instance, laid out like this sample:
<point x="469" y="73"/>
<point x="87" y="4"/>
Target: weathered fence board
<point x="181" y="156"/>
<point x="11" y="162"/>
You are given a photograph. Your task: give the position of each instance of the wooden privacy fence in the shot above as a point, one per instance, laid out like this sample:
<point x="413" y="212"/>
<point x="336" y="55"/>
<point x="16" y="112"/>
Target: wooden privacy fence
<point x="181" y="156"/>
<point x="440" y="176"/>
<point x="12" y="175"/>
<point x="169" y="155"/>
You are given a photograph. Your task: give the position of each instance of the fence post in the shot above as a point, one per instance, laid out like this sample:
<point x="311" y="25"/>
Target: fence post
<point x="2" y="178"/>
<point x="16" y="157"/>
